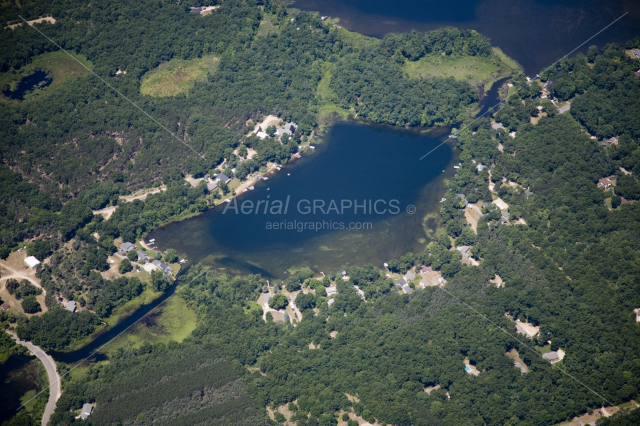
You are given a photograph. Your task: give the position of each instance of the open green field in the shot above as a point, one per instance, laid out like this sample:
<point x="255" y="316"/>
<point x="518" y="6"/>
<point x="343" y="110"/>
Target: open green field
<point x="177" y="76"/>
<point x="475" y="70"/>
<point x="59" y="64"/>
<point x="172" y="321"/>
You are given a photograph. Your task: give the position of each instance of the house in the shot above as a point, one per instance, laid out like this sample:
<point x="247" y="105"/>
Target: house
<point x="624" y="201"/>
<point x="162" y="266"/>
<point x="86" y="411"/>
<point x="262" y="135"/>
<point x="425" y="269"/>
<point x="31" y="262"/>
<point x="407" y="289"/>
<point x="142" y="256"/>
<point x="401" y="283"/>
<point x="195" y="10"/>
<point x="464" y="250"/>
<point x="604" y="183"/>
<point x="637" y="73"/>
<point x="212" y="185"/>
<point x="497" y="126"/>
<point x="636" y="53"/>
<point x="424" y="283"/>
<point x="5" y="307"/>
<point x="409" y="276"/>
<point x="637" y="311"/>
<point x="551" y="356"/>
<point x="127" y="247"/>
<point x="222" y="177"/>
<point x="481" y="167"/>
<point x="504" y="218"/>
<point x="71" y="306"/>
<point x="331" y="291"/>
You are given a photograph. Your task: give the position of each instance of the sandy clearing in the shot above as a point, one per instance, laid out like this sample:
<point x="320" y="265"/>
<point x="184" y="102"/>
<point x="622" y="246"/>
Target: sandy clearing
<point x="497" y="280"/>
<point x="501" y="204"/>
<point x="515" y="356"/>
<point x="13" y="268"/>
<point x="48" y="19"/>
<point x="138" y="195"/>
<point x="270" y="120"/>
<point x="472" y="214"/>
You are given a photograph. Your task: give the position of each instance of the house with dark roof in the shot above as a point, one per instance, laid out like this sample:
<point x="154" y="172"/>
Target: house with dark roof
<point x="222" y="177"/>
<point x="162" y="266"/>
<point x="195" y="10"/>
<point x="127" y="247"/>
<point x="407" y="289"/>
<point x="464" y="250"/>
<point x="142" y="256"/>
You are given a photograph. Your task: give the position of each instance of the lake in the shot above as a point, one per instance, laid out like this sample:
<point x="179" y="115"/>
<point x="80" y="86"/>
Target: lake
<point x="363" y="176"/>
<point x="534" y="32"/>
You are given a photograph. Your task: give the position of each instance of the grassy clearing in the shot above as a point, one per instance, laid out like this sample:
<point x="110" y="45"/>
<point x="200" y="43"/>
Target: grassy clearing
<point x="329" y="112"/>
<point x="59" y="64"/>
<point x="266" y="25"/>
<point x="474" y="70"/>
<point x="177" y="76"/>
<point x="173" y="321"/>
<point x="251" y="307"/>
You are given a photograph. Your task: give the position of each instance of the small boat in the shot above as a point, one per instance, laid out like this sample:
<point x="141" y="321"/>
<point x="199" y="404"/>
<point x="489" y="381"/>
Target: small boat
<point x="266" y="178"/>
<point x="268" y="189"/>
<point x="456" y="167"/>
<point x="288" y="174"/>
<point x="251" y="188"/>
<point x="312" y="147"/>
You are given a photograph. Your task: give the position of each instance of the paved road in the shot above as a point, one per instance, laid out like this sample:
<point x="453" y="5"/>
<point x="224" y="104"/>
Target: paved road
<point x="54" y="377"/>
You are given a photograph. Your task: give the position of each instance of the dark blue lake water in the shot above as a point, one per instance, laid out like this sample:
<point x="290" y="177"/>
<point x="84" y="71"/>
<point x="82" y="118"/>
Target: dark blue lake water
<point x="534" y="32"/>
<point x="38" y="79"/>
<point x="363" y="177"/>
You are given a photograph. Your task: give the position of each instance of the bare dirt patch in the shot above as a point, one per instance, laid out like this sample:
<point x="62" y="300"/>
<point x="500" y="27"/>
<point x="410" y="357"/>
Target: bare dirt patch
<point x="497" y="280"/>
<point x="472" y="214"/>
<point x="269" y="120"/>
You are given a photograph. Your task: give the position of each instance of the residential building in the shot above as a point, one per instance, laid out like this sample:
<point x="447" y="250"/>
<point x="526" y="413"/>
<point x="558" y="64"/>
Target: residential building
<point x="127" y="247"/>
<point x="222" y="177"/>
<point x="162" y="266"/>
<point x="551" y="356"/>
<point x="526" y="329"/>
<point x="637" y="311"/>
<point x="71" y="306"/>
<point x="464" y="250"/>
<point x="425" y="269"/>
<point x="142" y="256"/>
<point x="86" y="411"/>
<point x="5" y="307"/>
<point x="409" y="276"/>
<point x="331" y="291"/>
<point x="604" y="183"/>
<point x="407" y="289"/>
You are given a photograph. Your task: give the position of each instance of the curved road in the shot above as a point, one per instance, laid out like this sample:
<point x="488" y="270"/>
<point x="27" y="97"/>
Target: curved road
<point x="54" y="377"/>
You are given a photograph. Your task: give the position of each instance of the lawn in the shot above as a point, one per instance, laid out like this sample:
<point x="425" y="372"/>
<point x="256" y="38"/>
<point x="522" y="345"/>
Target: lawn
<point x="473" y="69"/>
<point x="59" y="64"/>
<point x="266" y="25"/>
<point x="172" y="321"/>
<point x="177" y="76"/>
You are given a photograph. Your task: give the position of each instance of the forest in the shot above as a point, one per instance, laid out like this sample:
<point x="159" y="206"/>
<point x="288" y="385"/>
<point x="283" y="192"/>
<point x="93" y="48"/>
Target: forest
<point x="572" y="269"/>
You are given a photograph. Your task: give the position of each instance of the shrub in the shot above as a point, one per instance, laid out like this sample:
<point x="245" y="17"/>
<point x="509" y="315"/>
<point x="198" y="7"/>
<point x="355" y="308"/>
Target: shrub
<point x="125" y="266"/>
<point x="30" y="305"/>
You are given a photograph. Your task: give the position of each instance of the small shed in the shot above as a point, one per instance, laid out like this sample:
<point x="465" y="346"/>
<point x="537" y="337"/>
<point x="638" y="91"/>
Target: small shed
<point x="331" y="291"/>
<point x="71" y="306"/>
<point x="31" y="262"/>
<point x="5" y="307"/>
<point x="86" y="411"/>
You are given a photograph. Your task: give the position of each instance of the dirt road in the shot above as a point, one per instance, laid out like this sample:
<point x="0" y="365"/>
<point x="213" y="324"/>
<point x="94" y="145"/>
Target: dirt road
<point x="52" y="372"/>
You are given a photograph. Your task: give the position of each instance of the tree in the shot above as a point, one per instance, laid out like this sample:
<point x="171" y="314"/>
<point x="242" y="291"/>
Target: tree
<point x="305" y="301"/>
<point x="31" y="305"/>
<point x="271" y="131"/>
<point x="125" y="266"/>
<point x="279" y="301"/>
<point x="170" y="256"/>
<point x="132" y="255"/>
<point x="40" y="249"/>
<point x="224" y="187"/>
<point x="4" y="252"/>
<point x="159" y="281"/>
